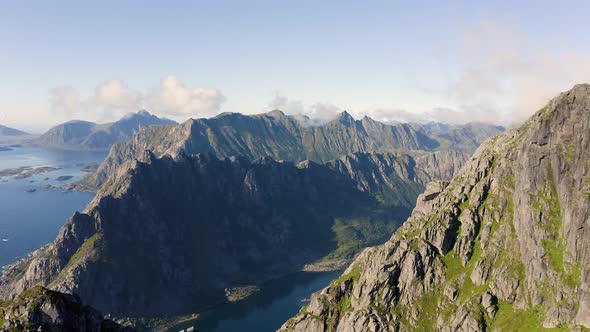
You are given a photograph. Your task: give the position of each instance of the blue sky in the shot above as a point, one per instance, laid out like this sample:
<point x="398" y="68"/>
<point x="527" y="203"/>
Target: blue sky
<point x="450" y="61"/>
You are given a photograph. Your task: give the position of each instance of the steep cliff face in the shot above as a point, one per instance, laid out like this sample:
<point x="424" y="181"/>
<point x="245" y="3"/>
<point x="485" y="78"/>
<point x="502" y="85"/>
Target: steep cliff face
<point x="398" y="179"/>
<point x="502" y="247"/>
<point x="271" y="134"/>
<point x="167" y="235"/>
<point x="84" y="135"/>
<point x="40" y="309"/>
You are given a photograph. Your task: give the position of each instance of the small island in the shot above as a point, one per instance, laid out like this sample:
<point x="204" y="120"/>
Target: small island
<point x="90" y="168"/>
<point x="26" y="171"/>
<point x="63" y="178"/>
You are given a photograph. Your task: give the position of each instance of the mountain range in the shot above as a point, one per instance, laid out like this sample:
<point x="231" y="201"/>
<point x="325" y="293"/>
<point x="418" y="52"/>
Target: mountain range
<point x="502" y="247"/>
<point x="281" y="137"/>
<point x="85" y="135"/>
<point x="228" y="202"/>
<point x="194" y="225"/>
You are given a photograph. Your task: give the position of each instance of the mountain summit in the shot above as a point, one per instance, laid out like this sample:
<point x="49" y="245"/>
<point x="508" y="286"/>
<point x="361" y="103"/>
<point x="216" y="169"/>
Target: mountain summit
<point x="503" y="247"/>
<point x="84" y="135"/>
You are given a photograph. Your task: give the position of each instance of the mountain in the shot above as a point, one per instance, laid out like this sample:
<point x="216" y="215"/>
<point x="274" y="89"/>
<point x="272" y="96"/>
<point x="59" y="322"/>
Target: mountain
<point x="7" y="131"/>
<point x="466" y="137"/>
<point x="503" y="247"/>
<point x="40" y="309"/>
<point x="84" y="135"/>
<point x="167" y="235"/>
<point x="271" y="134"/>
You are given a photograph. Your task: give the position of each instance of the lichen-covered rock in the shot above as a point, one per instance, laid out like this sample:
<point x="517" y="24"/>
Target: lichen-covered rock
<point x="503" y="247"/>
<point x="40" y="309"/>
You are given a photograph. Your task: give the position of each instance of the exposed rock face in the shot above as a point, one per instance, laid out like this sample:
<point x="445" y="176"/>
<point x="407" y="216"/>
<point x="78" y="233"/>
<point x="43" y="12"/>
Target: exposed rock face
<point x="387" y="175"/>
<point x="271" y="134"/>
<point x="84" y="135"/>
<point x="502" y="247"/>
<point x="40" y="309"/>
<point x="167" y="235"/>
<point x="7" y="131"/>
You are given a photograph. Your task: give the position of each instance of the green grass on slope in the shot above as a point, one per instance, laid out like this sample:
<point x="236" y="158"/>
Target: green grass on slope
<point x="509" y="319"/>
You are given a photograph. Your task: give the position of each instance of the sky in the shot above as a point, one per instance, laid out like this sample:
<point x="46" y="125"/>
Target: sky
<point x="450" y="61"/>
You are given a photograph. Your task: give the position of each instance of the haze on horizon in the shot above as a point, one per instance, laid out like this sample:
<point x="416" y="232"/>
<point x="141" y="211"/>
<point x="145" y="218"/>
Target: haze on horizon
<point x="453" y="62"/>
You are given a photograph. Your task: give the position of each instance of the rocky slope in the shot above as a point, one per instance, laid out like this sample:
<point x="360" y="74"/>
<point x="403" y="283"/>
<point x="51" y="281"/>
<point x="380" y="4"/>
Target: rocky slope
<point x="84" y="135"/>
<point x="271" y="134"/>
<point x="7" y="131"/>
<point x="503" y="247"/>
<point x="167" y="235"/>
<point x="40" y="309"/>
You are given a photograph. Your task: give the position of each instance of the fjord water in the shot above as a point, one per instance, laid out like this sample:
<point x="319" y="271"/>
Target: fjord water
<point x="266" y="310"/>
<point x="29" y="220"/>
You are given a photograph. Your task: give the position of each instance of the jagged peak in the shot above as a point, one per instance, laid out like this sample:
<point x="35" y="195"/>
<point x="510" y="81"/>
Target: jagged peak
<point x="133" y="115"/>
<point x="276" y="113"/>
<point x="227" y="114"/>
<point x="345" y="118"/>
<point x="369" y="119"/>
<point x="307" y="164"/>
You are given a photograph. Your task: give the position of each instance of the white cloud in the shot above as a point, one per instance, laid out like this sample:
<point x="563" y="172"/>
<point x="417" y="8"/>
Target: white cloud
<point x="506" y="77"/>
<point x="113" y="98"/>
<point x="173" y="97"/>
<point x="64" y="99"/>
<point x="115" y="95"/>
<point x="318" y="113"/>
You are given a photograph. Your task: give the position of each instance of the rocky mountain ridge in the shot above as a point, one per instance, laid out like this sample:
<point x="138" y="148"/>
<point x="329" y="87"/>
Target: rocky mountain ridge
<point x="503" y="247"/>
<point x="273" y="134"/>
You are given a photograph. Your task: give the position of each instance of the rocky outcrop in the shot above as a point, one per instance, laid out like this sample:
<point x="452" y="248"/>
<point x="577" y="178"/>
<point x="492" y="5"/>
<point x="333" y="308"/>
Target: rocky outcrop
<point x="168" y="235"/>
<point x="40" y="309"/>
<point x="84" y="135"/>
<point x="502" y="247"/>
<point x="273" y="134"/>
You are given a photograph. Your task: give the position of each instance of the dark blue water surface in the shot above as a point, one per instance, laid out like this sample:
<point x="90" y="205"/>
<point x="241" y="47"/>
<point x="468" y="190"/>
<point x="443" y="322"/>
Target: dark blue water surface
<point x="29" y="220"/>
<point x="266" y="310"/>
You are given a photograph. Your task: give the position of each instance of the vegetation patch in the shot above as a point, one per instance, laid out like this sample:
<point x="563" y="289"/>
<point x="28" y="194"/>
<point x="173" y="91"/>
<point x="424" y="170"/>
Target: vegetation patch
<point x="354" y="275"/>
<point x="344" y="305"/>
<point x="428" y="304"/>
<point x="570" y="151"/>
<point x="546" y="201"/>
<point x="83" y="251"/>
<point x="573" y="277"/>
<point x="510" y="319"/>
<point x="453" y="264"/>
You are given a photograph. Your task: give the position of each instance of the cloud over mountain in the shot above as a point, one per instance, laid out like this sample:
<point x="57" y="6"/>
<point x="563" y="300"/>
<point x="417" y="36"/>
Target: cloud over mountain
<point x="113" y="98"/>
